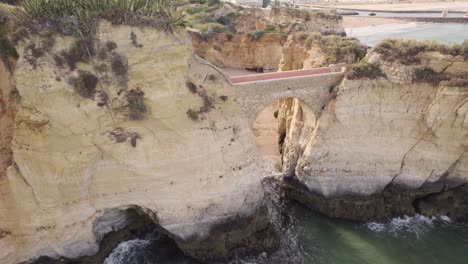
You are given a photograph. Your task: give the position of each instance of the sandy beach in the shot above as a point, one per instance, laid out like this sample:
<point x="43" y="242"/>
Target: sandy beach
<point x="355" y="21"/>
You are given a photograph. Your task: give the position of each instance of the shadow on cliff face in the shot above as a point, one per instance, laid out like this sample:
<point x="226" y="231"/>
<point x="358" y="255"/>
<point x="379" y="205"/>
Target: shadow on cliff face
<point x="393" y="201"/>
<point x="138" y="228"/>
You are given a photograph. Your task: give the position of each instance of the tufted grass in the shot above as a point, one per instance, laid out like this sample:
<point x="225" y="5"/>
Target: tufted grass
<point x="408" y="52"/>
<point x="81" y="16"/>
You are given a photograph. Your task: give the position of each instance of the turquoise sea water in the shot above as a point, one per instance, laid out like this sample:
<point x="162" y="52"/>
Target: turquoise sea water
<point x="409" y="240"/>
<point x="447" y="33"/>
<point x="308" y="237"/>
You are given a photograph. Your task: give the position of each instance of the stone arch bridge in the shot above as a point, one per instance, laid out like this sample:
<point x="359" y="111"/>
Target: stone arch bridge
<point x="314" y="87"/>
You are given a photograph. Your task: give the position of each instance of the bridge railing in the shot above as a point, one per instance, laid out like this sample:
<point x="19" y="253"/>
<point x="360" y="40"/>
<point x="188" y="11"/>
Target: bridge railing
<point x="281" y="75"/>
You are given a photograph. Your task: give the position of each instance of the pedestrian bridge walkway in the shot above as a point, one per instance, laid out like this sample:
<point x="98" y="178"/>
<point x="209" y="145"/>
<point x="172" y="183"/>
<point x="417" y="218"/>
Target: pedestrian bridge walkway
<point x="315" y="87"/>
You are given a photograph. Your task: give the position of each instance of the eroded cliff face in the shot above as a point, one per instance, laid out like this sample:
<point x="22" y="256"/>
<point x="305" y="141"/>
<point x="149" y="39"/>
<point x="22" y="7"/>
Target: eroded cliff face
<point x="382" y="147"/>
<point x="241" y="51"/>
<point x="290" y="21"/>
<point x="277" y="52"/>
<point x="78" y="161"/>
<point x="8" y="100"/>
<point x="274" y="42"/>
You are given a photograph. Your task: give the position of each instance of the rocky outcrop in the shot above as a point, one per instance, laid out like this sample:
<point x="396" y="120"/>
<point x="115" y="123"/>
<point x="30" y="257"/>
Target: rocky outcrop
<point x="8" y="98"/>
<point x="289" y="21"/>
<point x="382" y="148"/>
<point x="241" y="51"/>
<point x="79" y="154"/>
<point x="273" y="51"/>
<point x="280" y="41"/>
<point x="298" y="55"/>
<point x="250" y="20"/>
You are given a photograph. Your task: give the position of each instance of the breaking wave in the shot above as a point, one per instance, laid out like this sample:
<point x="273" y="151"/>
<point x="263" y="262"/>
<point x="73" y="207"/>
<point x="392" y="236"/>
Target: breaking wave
<point x="417" y="225"/>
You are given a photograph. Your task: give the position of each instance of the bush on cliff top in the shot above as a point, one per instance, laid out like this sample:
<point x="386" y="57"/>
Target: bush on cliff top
<point x="6" y="48"/>
<point x="364" y="70"/>
<point x="408" y="52"/>
<point x="338" y="48"/>
<point x="81" y="16"/>
<point x="449" y="79"/>
<point x="85" y="84"/>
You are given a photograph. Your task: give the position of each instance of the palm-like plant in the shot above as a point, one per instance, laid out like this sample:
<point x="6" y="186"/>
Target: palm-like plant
<point x="86" y="12"/>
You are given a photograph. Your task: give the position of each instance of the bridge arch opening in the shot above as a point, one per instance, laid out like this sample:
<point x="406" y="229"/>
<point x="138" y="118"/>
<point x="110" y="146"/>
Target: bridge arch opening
<point x="282" y="130"/>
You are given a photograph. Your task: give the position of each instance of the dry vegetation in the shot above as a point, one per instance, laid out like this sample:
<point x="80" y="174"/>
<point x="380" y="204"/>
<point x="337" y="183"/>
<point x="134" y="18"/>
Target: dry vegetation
<point x="80" y="17"/>
<point x="364" y="70"/>
<point x="337" y="48"/>
<point x="408" y="52"/>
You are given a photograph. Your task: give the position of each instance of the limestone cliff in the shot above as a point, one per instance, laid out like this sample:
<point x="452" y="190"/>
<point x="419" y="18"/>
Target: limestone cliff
<point x="302" y="51"/>
<point x="241" y="51"/>
<point x="290" y="21"/>
<point x="273" y="51"/>
<point x="80" y="161"/>
<point x="286" y="39"/>
<point x="385" y="146"/>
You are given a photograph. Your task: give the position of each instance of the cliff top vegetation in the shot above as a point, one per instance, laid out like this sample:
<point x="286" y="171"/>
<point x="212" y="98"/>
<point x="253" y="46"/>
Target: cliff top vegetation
<point x="201" y="15"/>
<point x="338" y="48"/>
<point x="80" y="17"/>
<point x="408" y="52"/>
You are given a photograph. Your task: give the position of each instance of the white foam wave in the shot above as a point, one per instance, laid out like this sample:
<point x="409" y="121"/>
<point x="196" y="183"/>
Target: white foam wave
<point x="417" y="225"/>
<point x="126" y="251"/>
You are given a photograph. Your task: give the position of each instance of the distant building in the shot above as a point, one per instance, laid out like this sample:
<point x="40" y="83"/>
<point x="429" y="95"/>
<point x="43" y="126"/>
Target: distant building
<point x="245" y="2"/>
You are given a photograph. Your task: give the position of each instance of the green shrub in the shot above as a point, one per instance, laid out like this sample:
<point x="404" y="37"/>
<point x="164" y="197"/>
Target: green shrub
<point x="78" y="52"/>
<point x="102" y="53"/>
<point x="364" y="70"/>
<point x="80" y="16"/>
<point x="15" y="95"/>
<point x="429" y="75"/>
<point x="270" y="29"/>
<point x="136" y="104"/>
<point x="192" y="114"/>
<point x="436" y="78"/>
<point x="256" y="35"/>
<point x="191" y="87"/>
<point x="119" y="65"/>
<point x="210" y="29"/>
<point x="6" y="48"/>
<point x="135" y="43"/>
<point x="111" y="45"/>
<point x="337" y="48"/>
<point x="85" y="84"/>
<point x="193" y="9"/>
<point x="408" y="52"/>
<point x="213" y="2"/>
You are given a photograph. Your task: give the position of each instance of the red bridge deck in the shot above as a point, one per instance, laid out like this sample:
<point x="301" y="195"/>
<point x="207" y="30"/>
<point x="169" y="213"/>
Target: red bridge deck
<point x="278" y="75"/>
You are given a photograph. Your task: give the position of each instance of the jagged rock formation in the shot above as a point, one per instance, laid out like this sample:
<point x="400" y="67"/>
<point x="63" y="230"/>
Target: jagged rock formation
<point x="278" y="41"/>
<point x="77" y="156"/>
<point x="291" y="20"/>
<point x="250" y="20"/>
<point x="383" y="147"/>
<point x="241" y="51"/>
<point x="273" y="51"/>
<point x="8" y="100"/>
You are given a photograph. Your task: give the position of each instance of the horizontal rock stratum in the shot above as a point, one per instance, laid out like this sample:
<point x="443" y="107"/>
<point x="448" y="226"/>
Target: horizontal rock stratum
<point x="80" y="163"/>
<point x="150" y="128"/>
<point x="384" y="146"/>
